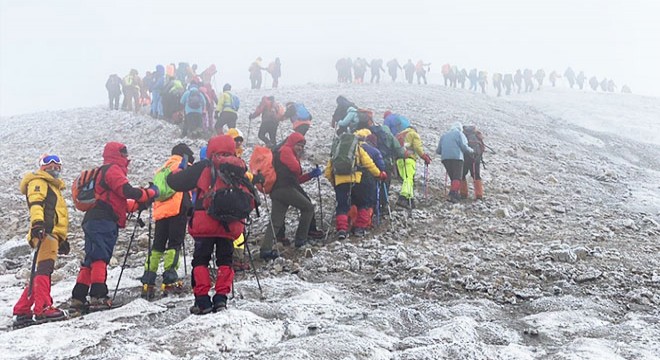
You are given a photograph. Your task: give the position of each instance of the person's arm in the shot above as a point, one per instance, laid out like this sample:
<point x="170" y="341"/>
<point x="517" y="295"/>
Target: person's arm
<point x="186" y="180"/>
<point x="348" y="119"/>
<point x="115" y="180"/>
<point x="368" y="163"/>
<point x="288" y="159"/>
<point x="184" y="97"/>
<point x="463" y="143"/>
<point x="416" y="143"/>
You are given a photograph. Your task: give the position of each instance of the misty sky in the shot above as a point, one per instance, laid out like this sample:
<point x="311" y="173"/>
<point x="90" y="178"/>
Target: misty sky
<point x="58" y="54"/>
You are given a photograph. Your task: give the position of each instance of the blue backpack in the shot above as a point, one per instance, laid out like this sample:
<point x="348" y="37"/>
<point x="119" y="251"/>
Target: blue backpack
<point x="235" y="102"/>
<point x="195" y="100"/>
<point x="302" y="113"/>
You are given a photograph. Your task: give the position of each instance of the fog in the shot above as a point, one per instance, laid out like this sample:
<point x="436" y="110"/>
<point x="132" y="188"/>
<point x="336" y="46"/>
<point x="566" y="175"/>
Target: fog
<point x="58" y="54"/>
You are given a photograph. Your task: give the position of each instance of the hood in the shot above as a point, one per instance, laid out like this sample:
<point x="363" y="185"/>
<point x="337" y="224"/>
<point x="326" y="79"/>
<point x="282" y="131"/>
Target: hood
<point x="351" y="109"/>
<point x="40" y="174"/>
<point x="342" y="101"/>
<point x="221" y="144"/>
<point x="182" y="149"/>
<point x="112" y="154"/>
<point x="457" y="126"/>
<point x="293" y="139"/>
<point x="160" y="70"/>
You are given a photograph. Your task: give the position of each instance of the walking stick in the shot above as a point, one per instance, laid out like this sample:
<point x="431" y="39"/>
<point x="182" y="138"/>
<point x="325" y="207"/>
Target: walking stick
<point x="318" y="185"/>
<point x="183" y="248"/>
<point x="378" y="203"/>
<point x="426" y="181"/>
<point x="148" y="243"/>
<point x="387" y="200"/>
<point x="130" y="242"/>
<point x="247" y="140"/>
<point x="254" y="269"/>
<point x="445" y="185"/>
<point x="33" y="269"/>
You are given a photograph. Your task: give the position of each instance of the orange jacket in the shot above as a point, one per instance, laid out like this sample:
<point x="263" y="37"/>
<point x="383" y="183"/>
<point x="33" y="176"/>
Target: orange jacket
<point x="172" y="206"/>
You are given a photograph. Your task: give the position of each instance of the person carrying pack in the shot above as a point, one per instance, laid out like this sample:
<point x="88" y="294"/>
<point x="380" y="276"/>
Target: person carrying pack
<point x="194" y="104"/>
<point x="170" y="212"/>
<point x="300" y="117"/>
<point x="131" y="88"/>
<point x="344" y="171"/>
<point x="355" y="119"/>
<point x="226" y="112"/>
<point x="343" y="104"/>
<point x="49" y="225"/>
<point x="406" y="166"/>
<point x="113" y="85"/>
<point x="395" y="122"/>
<point x="101" y="224"/>
<point x="287" y="192"/>
<point x="268" y="109"/>
<point x="451" y="147"/>
<point x="472" y="163"/>
<point x="224" y="200"/>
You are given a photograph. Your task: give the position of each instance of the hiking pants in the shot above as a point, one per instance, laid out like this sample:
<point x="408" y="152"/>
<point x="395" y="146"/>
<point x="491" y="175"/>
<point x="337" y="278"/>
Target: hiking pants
<point x="113" y="99"/>
<point x="169" y="235"/>
<point x="268" y="127"/>
<point x="100" y="239"/>
<point x="201" y="278"/>
<point x="421" y="76"/>
<point x="473" y="167"/>
<point x="156" y="105"/>
<point x="454" y="168"/>
<point x="191" y="122"/>
<point x="255" y="80"/>
<point x="352" y="194"/>
<point x="406" y="168"/>
<point x="226" y="118"/>
<point x="282" y="198"/>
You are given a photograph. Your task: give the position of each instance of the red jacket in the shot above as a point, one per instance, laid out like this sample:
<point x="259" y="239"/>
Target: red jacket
<point x="287" y="165"/>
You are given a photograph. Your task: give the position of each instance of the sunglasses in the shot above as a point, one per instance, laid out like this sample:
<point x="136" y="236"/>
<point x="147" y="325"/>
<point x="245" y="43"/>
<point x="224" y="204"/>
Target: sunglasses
<point x="50" y="159"/>
<point x="124" y="152"/>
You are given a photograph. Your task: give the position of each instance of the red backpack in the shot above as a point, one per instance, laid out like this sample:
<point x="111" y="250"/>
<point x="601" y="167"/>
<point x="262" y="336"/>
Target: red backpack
<point x="83" y="190"/>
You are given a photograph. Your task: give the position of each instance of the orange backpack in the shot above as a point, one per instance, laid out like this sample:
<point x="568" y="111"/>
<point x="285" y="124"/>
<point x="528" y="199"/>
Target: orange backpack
<point x="261" y="161"/>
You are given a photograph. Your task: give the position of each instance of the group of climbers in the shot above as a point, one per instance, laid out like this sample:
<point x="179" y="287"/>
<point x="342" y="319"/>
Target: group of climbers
<point x="349" y="71"/>
<point x="256" y="68"/>
<point x="213" y="198"/>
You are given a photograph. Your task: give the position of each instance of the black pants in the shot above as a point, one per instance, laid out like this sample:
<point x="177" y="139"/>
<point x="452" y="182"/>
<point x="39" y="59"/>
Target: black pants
<point x="114" y="101"/>
<point x="192" y="121"/>
<point x="269" y="128"/>
<point x="473" y="167"/>
<point x="255" y="81"/>
<point x="224" y="248"/>
<point x="226" y="118"/>
<point x="170" y="232"/>
<point x="454" y="168"/>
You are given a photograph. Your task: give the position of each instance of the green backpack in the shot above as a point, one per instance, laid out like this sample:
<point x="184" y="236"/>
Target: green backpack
<point x="160" y="180"/>
<point x="344" y="150"/>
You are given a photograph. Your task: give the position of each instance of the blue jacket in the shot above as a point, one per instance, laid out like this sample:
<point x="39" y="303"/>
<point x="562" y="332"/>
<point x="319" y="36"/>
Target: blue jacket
<point x="184" y="100"/>
<point x="375" y="155"/>
<point x="351" y="120"/>
<point x="396" y="123"/>
<point x="453" y="144"/>
<point x="158" y="80"/>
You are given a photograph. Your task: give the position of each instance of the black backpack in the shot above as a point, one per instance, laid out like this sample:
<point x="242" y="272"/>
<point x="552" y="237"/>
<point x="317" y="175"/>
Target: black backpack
<point x="230" y="203"/>
<point x="195" y="100"/>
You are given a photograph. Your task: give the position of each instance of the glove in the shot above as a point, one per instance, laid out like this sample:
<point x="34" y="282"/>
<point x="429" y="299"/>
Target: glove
<point x="152" y="191"/>
<point x="37" y="231"/>
<point x="426" y="158"/>
<point x="145" y="205"/>
<point x="382" y="176"/>
<point x="258" y="179"/>
<point x="316" y="172"/>
<point x="64" y="248"/>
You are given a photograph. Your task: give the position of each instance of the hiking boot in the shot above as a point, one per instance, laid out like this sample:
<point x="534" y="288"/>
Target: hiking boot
<point x="359" y="232"/>
<point x="342" y="234"/>
<point x="316" y="234"/>
<point x="403" y="202"/>
<point x="49" y="314"/>
<point x="269" y="255"/>
<point x="74" y="306"/>
<point x="202" y="305"/>
<point x="175" y="288"/>
<point x="284" y="241"/>
<point x="21" y="321"/>
<point x="148" y="292"/>
<point x="100" y="303"/>
<point x="240" y="265"/>
<point x="219" y="302"/>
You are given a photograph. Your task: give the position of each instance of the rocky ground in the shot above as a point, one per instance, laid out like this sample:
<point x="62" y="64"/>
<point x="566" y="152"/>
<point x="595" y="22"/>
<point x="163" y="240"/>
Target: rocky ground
<point x="559" y="261"/>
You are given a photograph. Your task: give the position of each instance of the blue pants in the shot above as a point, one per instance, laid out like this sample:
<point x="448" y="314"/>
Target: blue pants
<point x="156" y="104"/>
<point x="100" y="240"/>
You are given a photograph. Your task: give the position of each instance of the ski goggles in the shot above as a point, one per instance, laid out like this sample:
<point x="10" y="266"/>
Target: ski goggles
<point x="124" y="152"/>
<point x="50" y="159"/>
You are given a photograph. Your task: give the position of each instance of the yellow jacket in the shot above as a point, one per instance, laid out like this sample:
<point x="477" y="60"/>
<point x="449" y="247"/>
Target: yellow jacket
<point x="363" y="160"/>
<point x="172" y="206"/>
<point x="412" y="143"/>
<point x="45" y="201"/>
<point x="224" y="103"/>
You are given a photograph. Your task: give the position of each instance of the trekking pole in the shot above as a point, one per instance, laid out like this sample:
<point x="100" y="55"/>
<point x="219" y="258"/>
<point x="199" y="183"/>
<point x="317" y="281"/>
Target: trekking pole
<point x="247" y="140"/>
<point x="148" y="244"/>
<point x="33" y="269"/>
<point x="387" y="200"/>
<point x="254" y="269"/>
<point x="183" y="248"/>
<point x="318" y="185"/>
<point x="426" y="181"/>
<point x="378" y="203"/>
<point x="270" y="219"/>
<point x="445" y="184"/>
<point x="139" y="222"/>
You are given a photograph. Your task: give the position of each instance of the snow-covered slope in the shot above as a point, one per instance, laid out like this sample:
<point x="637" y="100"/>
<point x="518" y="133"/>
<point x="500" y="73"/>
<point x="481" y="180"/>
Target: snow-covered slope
<point x="559" y="261"/>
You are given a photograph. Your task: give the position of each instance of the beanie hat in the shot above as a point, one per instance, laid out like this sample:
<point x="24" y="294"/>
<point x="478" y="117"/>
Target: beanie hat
<point x="182" y="149"/>
<point x="226" y="87"/>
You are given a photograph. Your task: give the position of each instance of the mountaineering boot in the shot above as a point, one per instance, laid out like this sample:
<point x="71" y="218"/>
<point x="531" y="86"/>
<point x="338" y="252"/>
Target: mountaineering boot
<point x="315" y="234"/>
<point x="478" y="190"/>
<point x="454" y="196"/>
<point x="464" y="189"/>
<point x="202" y="305"/>
<point x="175" y="288"/>
<point x="49" y="314"/>
<point x="342" y="234"/>
<point x="148" y="292"/>
<point x="21" y="321"/>
<point x="269" y="255"/>
<point x="403" y="202"/>
<point x="359" y="232"/>
<point x="219" y="302"/>
<point x="101" y="303"/>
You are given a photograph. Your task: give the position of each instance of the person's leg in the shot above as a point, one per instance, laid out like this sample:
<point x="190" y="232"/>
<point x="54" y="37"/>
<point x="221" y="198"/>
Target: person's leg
<point x="304" y="204"/>
<point x="161" y="231"/>
<point x="263" y="130"/>
<point x="231" y="119"/>
<point x="478" y="184"/>
<point x="176" y="236"/>
<point x="277" y="216"/>
<point x="342" y="195"/>
<point x="43" y="302"/>
<point x="201" y="278"/>
<point x="103" y="234"/>
<point x="224" y="249"/>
